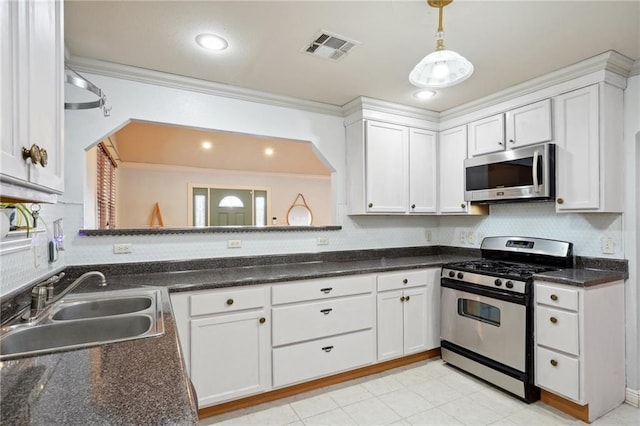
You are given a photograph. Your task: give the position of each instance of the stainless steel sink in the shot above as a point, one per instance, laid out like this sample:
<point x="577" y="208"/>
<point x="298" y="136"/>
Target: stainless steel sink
<point x="102" y="308"/>
<point x="89" y="319"/>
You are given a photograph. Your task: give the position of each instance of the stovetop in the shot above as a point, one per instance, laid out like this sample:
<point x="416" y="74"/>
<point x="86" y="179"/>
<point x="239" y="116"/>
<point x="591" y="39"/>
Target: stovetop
<point x="500" y="268"/>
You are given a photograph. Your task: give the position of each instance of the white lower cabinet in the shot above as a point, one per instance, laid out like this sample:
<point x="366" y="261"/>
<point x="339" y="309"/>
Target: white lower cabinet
<point x="329" y="324"/>
<point x="408" y="314"/>
<point x="579" y="337"/>
<point x="242" y="341"/>
<point x="224" y="335"/>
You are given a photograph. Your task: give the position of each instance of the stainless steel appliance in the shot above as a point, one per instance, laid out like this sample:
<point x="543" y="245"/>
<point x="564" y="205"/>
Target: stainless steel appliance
<point x="518" y="174"/>
<point x="487" y="310"/>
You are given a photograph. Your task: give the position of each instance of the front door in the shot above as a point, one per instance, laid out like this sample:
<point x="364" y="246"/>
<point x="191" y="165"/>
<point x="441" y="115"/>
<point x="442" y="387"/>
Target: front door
<point x="231" y="207"/>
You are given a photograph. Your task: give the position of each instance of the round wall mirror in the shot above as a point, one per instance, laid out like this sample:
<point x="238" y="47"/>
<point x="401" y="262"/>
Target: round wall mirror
<point x="299" y="213"/>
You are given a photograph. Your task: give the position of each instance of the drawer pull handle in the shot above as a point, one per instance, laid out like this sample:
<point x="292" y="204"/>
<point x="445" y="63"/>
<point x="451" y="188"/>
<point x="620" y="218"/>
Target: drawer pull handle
<point x="554" y="297"/>
<point x="327" y="348"/>
<point x="326" y="311"/>
<point x="553" y="320"/>
<point x="326" y="290"/>
<point x="554" y="362"/>
<point x="229" y="302"/>
<point x="405" y="281"/>
<point x="262" y="320"/>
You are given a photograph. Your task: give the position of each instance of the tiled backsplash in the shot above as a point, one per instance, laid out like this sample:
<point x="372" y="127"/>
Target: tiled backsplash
<point x="358" y="232"/>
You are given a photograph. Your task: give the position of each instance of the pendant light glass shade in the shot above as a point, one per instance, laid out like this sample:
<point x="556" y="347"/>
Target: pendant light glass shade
<point x="442" y="68"/>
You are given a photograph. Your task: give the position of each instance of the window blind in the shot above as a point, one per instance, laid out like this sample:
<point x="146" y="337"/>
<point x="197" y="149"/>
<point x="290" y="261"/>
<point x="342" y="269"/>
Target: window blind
<point x="106" y="189"/>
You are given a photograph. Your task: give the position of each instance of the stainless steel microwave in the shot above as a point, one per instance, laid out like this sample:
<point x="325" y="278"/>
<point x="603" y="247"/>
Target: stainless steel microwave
<point x="521" y="174"/>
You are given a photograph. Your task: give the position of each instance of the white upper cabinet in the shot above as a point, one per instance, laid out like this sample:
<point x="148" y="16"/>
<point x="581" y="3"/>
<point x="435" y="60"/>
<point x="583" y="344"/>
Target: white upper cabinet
<point x="526" y="125"/>
<point x="386" y="158"/>
<point x="452" y="148"/>
<point x="589" y="157"/>
<point x="486" y="135"/>
<point x="391" y="169"/>
<point x="31" y="110"/>
<point x="423" y="173"/>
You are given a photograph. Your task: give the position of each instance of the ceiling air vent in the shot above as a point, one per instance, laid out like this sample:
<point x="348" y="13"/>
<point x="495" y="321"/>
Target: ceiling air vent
<point x="330" y="46"/>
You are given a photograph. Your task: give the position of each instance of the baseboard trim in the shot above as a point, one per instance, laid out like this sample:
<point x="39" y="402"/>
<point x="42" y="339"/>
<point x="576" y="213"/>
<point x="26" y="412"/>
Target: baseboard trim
<point x="632" y="397"/>
<point x="261" y="398"/>
<point x="578" y="411"/>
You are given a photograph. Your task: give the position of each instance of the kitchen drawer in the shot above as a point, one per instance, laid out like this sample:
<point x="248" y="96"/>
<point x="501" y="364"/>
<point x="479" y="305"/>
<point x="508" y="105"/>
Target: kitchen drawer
<point x="296" y="323"/>
<point x="560" y="297"/>
<point x="558" y="373"/>
<point x="403" y="279"/>
<point x="558" y="329"/>
<point x="301" y="291"/>
<point x="215" y="302"/>
<point x="317" y="358"/>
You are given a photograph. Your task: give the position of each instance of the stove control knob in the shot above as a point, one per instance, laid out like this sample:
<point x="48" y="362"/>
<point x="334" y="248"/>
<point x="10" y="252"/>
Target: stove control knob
<point x="498" y="282"/>
<point x="452" y="274"/>
<point x="460" y="275"/>
<point x="509" y="284"/>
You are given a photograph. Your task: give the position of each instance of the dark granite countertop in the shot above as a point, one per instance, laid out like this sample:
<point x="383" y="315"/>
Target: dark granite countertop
<point x="144" y="381"/>
<point x="263" y="274"/>
<point x="581" y="277"/>
<point x="141" y="382"/>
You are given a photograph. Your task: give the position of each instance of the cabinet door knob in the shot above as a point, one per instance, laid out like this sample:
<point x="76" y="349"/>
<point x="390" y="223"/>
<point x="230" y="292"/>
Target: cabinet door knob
<point x="413" y="206"/>
<point x="406" y="299"/>
<point x="499" y="142"/>
<point x="554" y="297"/>
<point x="560" y="201"/>
<point x="554" y="362"/>
<point x="370" y="205"/>
<point x="262" y="320"/>
<point x="404" y="281"/>
<point x="36" y="154"/>
<point x="326" y="290"/>
<point x="326" y="311"/>
<point x="229" y="302"/>
<point x="402" y="299"/>
<point x="553" y="320"/>
<point x="512" y="141"/>
<point x="463" y="205"/>
<point x="327" y="348"/>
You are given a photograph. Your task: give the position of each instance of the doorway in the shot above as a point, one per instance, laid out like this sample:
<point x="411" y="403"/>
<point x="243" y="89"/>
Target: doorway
<point x="216" y="206"/>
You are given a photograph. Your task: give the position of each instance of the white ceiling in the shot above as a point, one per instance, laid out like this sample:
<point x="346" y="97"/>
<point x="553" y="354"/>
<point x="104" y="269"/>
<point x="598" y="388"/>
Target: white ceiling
<point x="508" y="42"/>
<point x="152" y="143"/>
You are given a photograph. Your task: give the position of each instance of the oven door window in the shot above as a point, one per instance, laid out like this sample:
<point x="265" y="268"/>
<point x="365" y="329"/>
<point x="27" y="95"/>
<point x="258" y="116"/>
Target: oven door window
<point x="479" y="311"/>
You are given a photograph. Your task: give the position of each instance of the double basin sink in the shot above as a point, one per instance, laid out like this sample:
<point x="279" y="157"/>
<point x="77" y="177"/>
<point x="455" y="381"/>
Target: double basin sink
<point x="88" y="319"/>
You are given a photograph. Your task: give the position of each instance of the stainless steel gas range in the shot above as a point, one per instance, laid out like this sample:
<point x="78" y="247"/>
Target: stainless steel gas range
<point x="487" y="310"/>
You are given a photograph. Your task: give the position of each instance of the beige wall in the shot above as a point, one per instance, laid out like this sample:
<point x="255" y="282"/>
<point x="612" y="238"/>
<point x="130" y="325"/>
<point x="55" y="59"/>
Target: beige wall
<point x="140" y="186"/>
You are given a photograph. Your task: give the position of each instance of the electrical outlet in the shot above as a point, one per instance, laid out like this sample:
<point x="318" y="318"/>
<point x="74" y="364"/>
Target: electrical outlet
<point x="428" y="234"/>
<point x="463" y="237"/>
<point x="471" y="238"/>
<point x="322" y="241"/>
<point x="608" y="246"/>
<point x="234" y="243"/>
<point x="122" y="248"/>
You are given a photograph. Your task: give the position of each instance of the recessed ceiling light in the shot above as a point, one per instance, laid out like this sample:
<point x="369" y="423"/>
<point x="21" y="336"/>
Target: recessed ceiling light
<point x="268" y="152"/>
<point x="424" y="94"/>
<point x="206" y="145"/>
<point x="212" y="42"/>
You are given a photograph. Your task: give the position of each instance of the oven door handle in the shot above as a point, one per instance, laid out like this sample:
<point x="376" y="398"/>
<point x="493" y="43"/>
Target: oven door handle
<point x="494" y="293"/>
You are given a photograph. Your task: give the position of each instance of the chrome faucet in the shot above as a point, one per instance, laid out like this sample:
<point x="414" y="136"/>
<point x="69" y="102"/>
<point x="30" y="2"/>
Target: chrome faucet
<point x="42" y="294"/>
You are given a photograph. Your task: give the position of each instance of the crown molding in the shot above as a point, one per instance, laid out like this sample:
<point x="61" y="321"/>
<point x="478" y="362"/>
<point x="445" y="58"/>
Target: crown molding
<point x="141" y="75"/>
<point x="611" y="66"/>
<point x="611" y="61"/>
<point x="635" y="69"/>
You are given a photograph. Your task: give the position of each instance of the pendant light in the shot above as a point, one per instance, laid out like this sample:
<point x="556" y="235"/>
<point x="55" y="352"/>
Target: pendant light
<point x="442" y="68"/>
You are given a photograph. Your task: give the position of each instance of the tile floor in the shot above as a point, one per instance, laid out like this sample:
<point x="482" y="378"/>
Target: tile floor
<point x="425" y="393"/>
